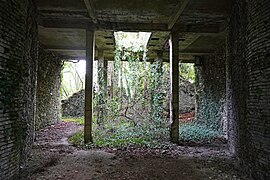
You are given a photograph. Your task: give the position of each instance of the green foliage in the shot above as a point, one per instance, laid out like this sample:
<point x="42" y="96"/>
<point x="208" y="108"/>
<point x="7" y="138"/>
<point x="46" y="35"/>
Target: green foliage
<point x="187" y="71"/>
<point x="158" y="96"/>
<point x="122" y="136"/>
<point x="196" y="132"/>
<point x="72" y="79"/>
<point x="101" y="99"/>
<point x="134" y="116"/>
<point x="212" y="116"/>
<point x="77" y="139"/>
<point x="79" y="120"/>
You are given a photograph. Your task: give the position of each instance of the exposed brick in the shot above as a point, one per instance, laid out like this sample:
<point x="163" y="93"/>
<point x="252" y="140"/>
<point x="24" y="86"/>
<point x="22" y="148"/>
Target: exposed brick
<point x="248" y="85"/>
<point x="18" y="63"/>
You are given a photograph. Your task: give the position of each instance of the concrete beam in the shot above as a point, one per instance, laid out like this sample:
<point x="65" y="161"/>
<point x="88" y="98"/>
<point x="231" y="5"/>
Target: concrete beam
<point x="191" y="41"/>
<point x="65" y="48"/>
<point x="180" y="8"/>
<point x="91" y="10"/>
<point x="198" y="28"/>
<point x="174" y="87"/>
<point x="116" y="26"/>
<point x="88" y="117"/>
<point x="71" y="48"/>
<point x="65" y="23"/>
<point x="102" y="25"/>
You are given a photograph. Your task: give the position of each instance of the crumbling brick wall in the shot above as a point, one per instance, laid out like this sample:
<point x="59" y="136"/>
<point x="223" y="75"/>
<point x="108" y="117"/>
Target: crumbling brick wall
<point x="18" y="67"/>
<point x="210" y="87"/>
<point x="48" y="88"/>
<point x="248" y="83"/>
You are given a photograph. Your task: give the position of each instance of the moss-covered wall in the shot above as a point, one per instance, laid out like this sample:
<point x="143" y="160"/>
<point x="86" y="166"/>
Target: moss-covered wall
<point x="210" y="87"/>
<point x="18" y="67"/>
<point x="48" y="88"/>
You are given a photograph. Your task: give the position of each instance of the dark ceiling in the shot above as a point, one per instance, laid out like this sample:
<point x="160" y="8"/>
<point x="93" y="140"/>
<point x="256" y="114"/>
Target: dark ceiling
<point x="200" y="24"/>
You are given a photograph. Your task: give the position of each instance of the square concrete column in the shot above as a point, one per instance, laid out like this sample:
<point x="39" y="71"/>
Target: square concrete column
<point x="102" y="87"/>
<point x="174" y="87"/>
<point x="88" y="117"/>
<point x="156" y="94"/>
<point x="102" y="72"/>
<point x="105" y="77"/>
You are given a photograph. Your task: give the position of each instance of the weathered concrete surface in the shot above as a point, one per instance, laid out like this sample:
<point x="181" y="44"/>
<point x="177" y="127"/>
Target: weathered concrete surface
<point x="174" y="88"/>
<point x="200" y="24"/>
<point x="88" y="111"/>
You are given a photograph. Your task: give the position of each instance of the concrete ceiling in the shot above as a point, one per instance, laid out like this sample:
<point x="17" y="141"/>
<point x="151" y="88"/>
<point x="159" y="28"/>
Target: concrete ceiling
<point x="201" y="24"/>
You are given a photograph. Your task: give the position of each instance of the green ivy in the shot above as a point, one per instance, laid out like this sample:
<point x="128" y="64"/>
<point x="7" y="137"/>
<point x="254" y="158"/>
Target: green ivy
<point x="197" y="132"/>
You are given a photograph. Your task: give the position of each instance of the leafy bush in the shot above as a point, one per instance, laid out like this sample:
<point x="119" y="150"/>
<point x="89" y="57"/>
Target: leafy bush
<point x="77" y="139"/>
<point x="196" y="132"/>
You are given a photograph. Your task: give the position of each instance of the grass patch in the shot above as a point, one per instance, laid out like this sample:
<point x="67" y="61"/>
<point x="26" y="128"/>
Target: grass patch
<point x="79" y="120"/>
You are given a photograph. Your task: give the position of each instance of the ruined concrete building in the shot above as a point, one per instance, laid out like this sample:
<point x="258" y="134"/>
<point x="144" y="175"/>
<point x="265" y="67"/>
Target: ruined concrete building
<point x="229" y="42"/>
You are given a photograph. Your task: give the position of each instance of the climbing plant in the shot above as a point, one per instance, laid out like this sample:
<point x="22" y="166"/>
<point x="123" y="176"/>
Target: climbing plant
<point x="136" y="109"/>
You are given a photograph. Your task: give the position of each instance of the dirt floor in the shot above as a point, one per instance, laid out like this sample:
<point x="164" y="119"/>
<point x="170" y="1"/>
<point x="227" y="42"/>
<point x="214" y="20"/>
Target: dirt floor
<point x="54" y="158"/>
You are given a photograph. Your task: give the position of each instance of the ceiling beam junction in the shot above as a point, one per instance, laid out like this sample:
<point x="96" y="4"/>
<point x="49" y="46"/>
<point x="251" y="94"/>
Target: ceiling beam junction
<point x="180" y="9"/>
<point x="91" y="10"/>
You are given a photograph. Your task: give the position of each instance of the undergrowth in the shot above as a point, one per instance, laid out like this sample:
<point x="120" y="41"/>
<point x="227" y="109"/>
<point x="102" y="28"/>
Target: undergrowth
<point x="78" y="120"/>
<point x="196" y="132"/>
<point x="122" y="136"/>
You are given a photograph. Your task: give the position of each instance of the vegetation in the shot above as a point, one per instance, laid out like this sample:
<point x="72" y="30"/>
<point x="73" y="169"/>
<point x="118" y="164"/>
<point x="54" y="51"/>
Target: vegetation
<point x="186" y="70"/>
<point x="134" y="115"/>
<point x="196" y="132"/>
<point x="79" y="120"/>
<point x="72" y="78"/>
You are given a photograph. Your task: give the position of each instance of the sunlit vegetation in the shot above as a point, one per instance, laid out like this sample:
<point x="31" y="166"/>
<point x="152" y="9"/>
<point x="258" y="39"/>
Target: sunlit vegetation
<point x="78" y="120"/>
<point x="135" y="114"/>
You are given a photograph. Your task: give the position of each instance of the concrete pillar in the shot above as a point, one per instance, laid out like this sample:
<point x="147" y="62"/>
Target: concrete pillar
<point x="100" y="69"/>
<point x="105" y="74"/>
<point x="174" y="87"/>
<point x="111" y="67"/>
<point x="157" y="94"/>
<point x="88" y="118"/>
<point x="101" y="88"/>
<point x="159" y="60"/>
<point x="146" y="80"/>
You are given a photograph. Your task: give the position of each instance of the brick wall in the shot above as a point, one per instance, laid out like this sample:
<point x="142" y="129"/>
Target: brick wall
<point x="249" y="85"/>
<point x="210" y="86"/>
<point x="18" y="65"/>
<point x="48" y="89"/>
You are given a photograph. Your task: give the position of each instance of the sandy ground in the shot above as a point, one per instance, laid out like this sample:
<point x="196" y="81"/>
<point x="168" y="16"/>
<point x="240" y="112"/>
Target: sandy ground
<point x="54" y="158"/>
